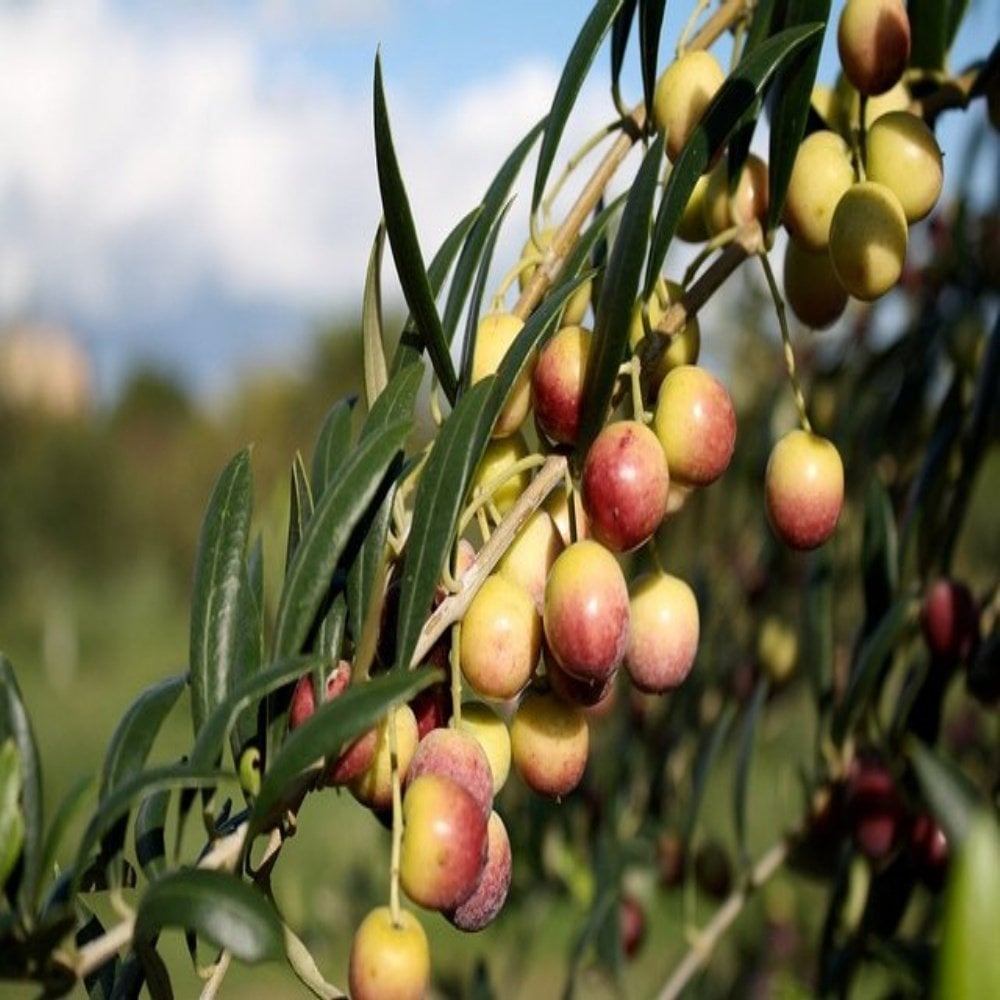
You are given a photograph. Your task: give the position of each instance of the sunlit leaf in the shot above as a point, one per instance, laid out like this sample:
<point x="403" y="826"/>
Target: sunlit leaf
<point x="218" y="582"/>
<point x="332" y="446"/>
<point x="574" y="71"/>
<point x="372" y="334"/>
<point x="952" y="797"/>
<point x="67" y="812"/>
<point x="11" y="820"/>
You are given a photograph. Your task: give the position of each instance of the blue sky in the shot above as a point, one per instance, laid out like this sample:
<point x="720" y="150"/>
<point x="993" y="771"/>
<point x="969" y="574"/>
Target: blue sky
<point x="193" y="182"/>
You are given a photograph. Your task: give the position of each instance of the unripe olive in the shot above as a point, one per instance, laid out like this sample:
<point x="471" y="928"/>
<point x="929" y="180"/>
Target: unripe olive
<point x="530" y="557"/>
<point x="692" y="227"/>
<point x="683" y="92"/>
<point x="625" y="483"/>
<point x="487" y="899"/>
<point x="389" y="962"/>
<point x="663" y="638"/>
<point x="804" y="489"/>
<point x="496" y="333"/>
<point x="903" y="154"/>
<point x="498" y="459"/>
<point x="576" y="308"/>
<point x="587" y="611"/>
<point x="777" y="649"/>
<point x="684" y="346"/>
<point x="549" y="742"/>
<point x="696" y="425"/>
<point x="896" y="98"/>
<point x="873" y="40"/>
<point x="868" y="239"/>
<point x="458" y="755"/>
<point x="749" y="201"/>
<point x="374" y="786"/>
<point x="812" y="289"/>
<point x="500" y="639"/>
<point x="821" y="174"/>
<point x="494" y="737"/>
<point x="557" y="384"/>
<point x="558" y="507"/>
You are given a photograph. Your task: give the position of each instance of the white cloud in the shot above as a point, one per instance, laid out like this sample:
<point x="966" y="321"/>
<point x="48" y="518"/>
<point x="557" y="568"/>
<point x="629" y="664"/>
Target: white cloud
<point x="146" y="166"/>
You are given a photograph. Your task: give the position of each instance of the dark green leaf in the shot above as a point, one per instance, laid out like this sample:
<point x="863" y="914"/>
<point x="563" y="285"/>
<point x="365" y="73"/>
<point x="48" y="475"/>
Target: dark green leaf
<point x="334" y="724"/>
<point x="968" y="960"/>
<point x="475" y="302"/>
<point x="711" y="743"/>
<point x="154" y="970"/>
<point x="879" y="552"/>
<point x="15" y="725"/>
<point x="405" y="247"/>
<point x="952" y="797"/>
<point x="790" y="104"/>
<point x="369" y="565"/>
<point x="742" y="89"/>
<point x="300" y="507"/>
<point x="11" y="819"/>
<point x="134" y="735"/>
<point x="397" y="401"/>
<point x="150" y="844"/>
<point x="332" y="446"/>
<point x="362" y="482"/>
<point x="251" y="646"/>
<point x="219" y="907"/>
<point x="450" y="466"/>
<point x="218" y="583"/>
<point x="650" y="23"/>
<point x="618" y="293"/>
<point x="574" y="71"/>
<point x="928" y="33"/>
<point x="621" y="28"/>
<point x="250" y="690"/>
<point x="372" y="335"/>
<point x="118" y="804"/>
<point x="100" y="982"/>
<point x="956" y="13"/>
<point x="410" y="345"/>
<point x="68" y="809"/>
<point x="744" y="757"/>
<point x="762" y="25"/>
<point x="872" y="661"/>
<point x="130" y="979"/>
<point x="437" y="504"/>
<point x="494" y="207"/>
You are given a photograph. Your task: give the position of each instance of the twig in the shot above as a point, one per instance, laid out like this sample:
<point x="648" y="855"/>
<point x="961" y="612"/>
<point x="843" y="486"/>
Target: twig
<point x="706" y="940"/>
<point x="452" y="608"/>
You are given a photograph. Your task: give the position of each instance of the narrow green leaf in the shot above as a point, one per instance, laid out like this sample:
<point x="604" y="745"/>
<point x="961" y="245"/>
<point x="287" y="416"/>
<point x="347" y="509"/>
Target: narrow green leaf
<point x="137" y="729"/>
<point x="870" y="665"/>
<point x="742" y="89"/>
<point x="119" y="803"/>
<point x="15" y="725"/>
<point x="618" y="293"/>
<point x="575" y="70"/>
<point x="879" y="553"/>
<point x="221" y="908"/>
<point x="763" y="24"/>
<point x="332" y="445"/>
<point x="250" y="659"/>
<point x="372" y="335"/>
<point x="451" y="464"/>
<point x="437" y="504"/>
<point x="650" y="23"/>
<point x="368" y="567"/>
<point x="362" y="482"/>
<point x="475" y="302"/>
<point x="11" y="820"/>
<point x="100" y="982"/>
<point x="410" y="345"/>
<point x="928" y="33"/>
<point x="744" y="758"/>
<point x="790" y="104"/>
<point x="397" y="401"/>
<point x="68" y="809"/>
<point x="218" y="582"/>
<point x="968" y="960"/>
<point x="300" y="507"/>
<point x="483" y="232"/>
<point x="580" y="254"/>
<point x="334" y="724"/>
<point x="150" y="843"/>
<point x="304" y="966"/>
<point x="405" y="247"/>
<point x="154" y="970"/>
<point x="952" y="797"/>
<point x="248" y="693"/>
<point x="130" y="979"/>
<point x="956" y="13"/>
<point x="711" y="743"/>
<point x="621" y="28"/>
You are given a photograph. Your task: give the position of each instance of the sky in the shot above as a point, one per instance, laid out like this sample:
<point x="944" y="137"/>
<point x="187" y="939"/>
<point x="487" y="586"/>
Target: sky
<point x="193" y="183"/>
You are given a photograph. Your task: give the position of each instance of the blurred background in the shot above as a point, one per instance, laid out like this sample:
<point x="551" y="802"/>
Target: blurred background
<point x="187" y="202"/>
